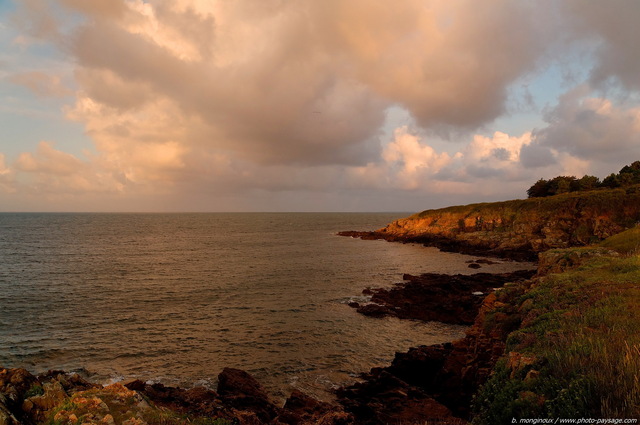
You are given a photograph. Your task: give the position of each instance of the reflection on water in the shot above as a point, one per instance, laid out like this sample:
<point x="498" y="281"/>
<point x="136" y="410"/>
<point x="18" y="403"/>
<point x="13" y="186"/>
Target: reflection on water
<point x="175" y="298"/>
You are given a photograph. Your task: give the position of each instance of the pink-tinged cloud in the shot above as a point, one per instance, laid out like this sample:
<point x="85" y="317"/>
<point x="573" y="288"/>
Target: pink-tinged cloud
<point x="214" y="98"/>
<point x="41" y="83"/>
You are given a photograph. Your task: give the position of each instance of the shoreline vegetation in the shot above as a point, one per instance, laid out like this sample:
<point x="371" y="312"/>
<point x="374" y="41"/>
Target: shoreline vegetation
<point x="561" y="341"/>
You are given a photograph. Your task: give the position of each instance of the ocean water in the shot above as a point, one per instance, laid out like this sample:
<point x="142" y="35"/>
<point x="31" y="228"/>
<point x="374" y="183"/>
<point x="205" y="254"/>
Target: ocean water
<point x="175" y="298"/>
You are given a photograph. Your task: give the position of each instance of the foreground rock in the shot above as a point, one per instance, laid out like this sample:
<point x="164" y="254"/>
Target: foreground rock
<point x="64" y="399"/>
<point x="454" y="299"/>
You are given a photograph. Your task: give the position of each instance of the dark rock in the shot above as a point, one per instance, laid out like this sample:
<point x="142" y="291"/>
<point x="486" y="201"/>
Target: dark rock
<point x="14" y="383"/>
<point x="474" y="266"/>
<point x="353" y="304"/>
<point x="385" y="399"/>
<point x="438" y="297"/>
<point x="241" y="391"/>
<point x="196" y="401"/>
<point x="361" y="235"/>
<point x="300" y="408"/>
<point x="486" y="261"/>
<point x="375" y="310"/>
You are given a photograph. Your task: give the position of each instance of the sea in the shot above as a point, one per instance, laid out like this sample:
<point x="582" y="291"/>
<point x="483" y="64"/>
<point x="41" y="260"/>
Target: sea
<point x="175" y="298"/>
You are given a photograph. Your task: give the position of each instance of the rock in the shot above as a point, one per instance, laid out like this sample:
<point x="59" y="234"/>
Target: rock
<point x="333" y="418"/>
<point x="375" y="310"/>
<point x="438" y="297"/>
<point x="442" y="375"/>
<point x="302" y="409"/>
<point x="474" y="266"/>
<point x="54" y="394"/>
<point x="106" y="420"/>
<point x="241" y="391"/>
<point x="361" y="235"/>
<point x="353" y="304"/>
<point x="384" y="398"/>
<point x="14" y="383"/>
<point x="196" y="401"/>
<point x="6" y="416"/>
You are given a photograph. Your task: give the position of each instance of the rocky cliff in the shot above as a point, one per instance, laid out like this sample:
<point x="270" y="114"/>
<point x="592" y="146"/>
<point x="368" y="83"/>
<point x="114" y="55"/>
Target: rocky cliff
<point x="519" y="228"/>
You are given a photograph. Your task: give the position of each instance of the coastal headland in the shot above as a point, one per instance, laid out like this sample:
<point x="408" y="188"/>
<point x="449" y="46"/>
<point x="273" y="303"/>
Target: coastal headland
<point x="562" y="341"/>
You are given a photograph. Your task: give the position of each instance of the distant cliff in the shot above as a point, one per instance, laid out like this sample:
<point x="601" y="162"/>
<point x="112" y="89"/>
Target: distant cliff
<point x="520" y="228"/>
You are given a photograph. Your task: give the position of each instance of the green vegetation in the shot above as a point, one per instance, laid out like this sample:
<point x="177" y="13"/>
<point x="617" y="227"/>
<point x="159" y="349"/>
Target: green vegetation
<point x="627" y="242"/>
<point x="628" y="176"/>
<point x="577" y="350"/>
<point x="35" y="390"/>
<point x="576" y="218"/>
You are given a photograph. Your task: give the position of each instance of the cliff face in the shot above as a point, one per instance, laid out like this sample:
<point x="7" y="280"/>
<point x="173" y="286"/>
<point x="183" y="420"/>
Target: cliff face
<point x="521" y="228"/>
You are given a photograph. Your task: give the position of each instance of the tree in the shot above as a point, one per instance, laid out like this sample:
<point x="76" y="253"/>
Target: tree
<point x="588" y="183"/>
<point x="561" y="184"/>
<point x="630" y="174"/>
<point x="626" y="179"/>
<point x="611" y="181"/>
<point x="539" y="189"/>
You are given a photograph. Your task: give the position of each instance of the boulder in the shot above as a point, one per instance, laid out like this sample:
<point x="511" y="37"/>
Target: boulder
<point x="241" y="391"/>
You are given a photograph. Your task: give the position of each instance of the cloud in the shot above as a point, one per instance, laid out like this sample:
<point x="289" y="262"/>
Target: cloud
<point x="42" y="84"/>
<point x="97" y="8"/>
<point x="305" y="82"/>
<point x="409" y="162"/>
<point x="6" y="176"/>
<point x="614" y="26"/>
<point x="47" y="160"/>
<point x="229" y="98"/>
<point x="48" y="172"/>
<point x="412" y="161"/>
<point x="535" y="156"/>
<point x="591" y="128"/>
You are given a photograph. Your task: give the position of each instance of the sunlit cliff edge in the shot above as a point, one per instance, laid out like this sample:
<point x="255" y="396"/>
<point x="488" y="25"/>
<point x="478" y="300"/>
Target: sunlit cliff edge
<point x="520" y="228"/>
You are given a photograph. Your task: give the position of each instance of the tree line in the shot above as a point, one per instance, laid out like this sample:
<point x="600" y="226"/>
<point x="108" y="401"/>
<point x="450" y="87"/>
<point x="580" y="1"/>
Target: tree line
<point x="628" y="175"/>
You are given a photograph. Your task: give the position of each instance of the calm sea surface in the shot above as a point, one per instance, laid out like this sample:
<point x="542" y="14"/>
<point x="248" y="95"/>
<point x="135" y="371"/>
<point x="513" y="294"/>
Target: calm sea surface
<point x="174" y="298"/>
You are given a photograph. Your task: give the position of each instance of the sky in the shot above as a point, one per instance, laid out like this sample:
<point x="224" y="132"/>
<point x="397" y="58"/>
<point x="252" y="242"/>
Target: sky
<point x="309" y="105"/>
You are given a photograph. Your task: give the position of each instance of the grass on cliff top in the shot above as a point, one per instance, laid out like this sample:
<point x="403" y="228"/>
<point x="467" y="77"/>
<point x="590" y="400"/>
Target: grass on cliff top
<point x="626" y="243"/>
<point x="582" y="330"/>
<point x="605" y="199"/>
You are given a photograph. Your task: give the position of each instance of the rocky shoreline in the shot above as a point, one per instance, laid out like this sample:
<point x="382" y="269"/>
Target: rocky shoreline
<point x="513" y="316"/>
<point x="446" y="244"/>
<point x="427" y="383"/>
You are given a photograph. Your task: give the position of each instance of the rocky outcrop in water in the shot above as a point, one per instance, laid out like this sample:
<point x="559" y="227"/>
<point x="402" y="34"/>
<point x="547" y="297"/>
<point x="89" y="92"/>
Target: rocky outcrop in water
<point x="454" y="299"/>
